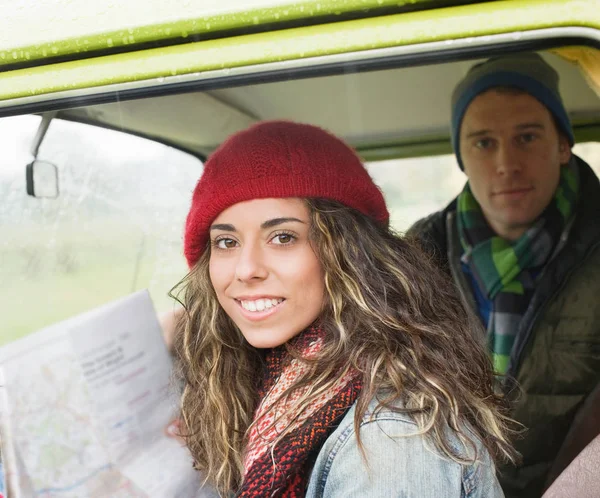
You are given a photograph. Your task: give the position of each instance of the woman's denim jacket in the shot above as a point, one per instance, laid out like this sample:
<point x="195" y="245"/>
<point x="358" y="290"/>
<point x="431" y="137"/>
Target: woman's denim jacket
<point x="399" y="464"/>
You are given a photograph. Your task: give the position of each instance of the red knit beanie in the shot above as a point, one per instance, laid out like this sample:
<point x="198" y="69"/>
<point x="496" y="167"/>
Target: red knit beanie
<point x="278" y="159"/>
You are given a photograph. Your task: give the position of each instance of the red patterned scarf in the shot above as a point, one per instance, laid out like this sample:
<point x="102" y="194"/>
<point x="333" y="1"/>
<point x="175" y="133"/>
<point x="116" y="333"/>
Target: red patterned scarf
<point x="282" y="470"/>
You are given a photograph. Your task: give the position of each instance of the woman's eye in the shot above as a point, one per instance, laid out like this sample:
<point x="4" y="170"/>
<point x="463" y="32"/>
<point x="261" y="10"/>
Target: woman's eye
<point x="225" y="243"/>
<point x="283" y="239"/>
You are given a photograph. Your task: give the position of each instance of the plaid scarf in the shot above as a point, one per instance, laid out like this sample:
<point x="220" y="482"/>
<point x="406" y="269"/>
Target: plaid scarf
<point x="281" y="470"/>
<point x="504" y="270"/>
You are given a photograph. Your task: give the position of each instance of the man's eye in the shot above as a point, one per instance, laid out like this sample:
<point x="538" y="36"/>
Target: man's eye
<point x="283" y="239"/>
<point x="484" y="143"/>
<point x="224" y="243"/>
<point x="526" y="138"/>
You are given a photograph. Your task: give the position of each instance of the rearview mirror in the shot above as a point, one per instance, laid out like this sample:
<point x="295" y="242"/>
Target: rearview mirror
<point x="42" y="179"/>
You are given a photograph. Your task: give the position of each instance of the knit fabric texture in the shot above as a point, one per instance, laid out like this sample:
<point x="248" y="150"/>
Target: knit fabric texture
<point x="503" y="269"/>
<point x="278" y="159"/>
<point x="525" y="71"/>
<point x="281" y="470"/>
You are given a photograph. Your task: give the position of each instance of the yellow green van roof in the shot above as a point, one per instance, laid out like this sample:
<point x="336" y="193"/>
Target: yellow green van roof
<point x="452" y="23"/>
<point x="52" y="28"/>
<point x="40" y="29"/>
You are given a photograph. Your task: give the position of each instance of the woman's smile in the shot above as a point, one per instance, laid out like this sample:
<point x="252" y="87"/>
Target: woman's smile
<point x="259" y="308"/>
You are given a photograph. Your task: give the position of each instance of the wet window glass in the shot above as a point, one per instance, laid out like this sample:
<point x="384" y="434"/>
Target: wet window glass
<point x="416" y="187"/>
<point x="116" y="226"/>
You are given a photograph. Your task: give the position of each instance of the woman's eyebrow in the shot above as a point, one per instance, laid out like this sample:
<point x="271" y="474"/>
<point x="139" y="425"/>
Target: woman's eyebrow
<point x="223" y="226"/>
<point x="226" y="227"/>
<point x="278" y="221"/>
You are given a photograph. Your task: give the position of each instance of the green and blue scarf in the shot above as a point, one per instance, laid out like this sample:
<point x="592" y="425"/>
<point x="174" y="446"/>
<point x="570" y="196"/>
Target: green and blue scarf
<point x="503" y="269"/>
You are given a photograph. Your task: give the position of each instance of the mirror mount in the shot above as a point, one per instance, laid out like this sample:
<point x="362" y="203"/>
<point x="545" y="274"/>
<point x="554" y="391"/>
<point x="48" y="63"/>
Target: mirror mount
<point x="41" y="177"/>
<point x="41" y="133"/>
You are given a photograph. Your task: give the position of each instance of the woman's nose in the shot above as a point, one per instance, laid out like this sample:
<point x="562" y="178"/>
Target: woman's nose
<point x="251" y="263"/>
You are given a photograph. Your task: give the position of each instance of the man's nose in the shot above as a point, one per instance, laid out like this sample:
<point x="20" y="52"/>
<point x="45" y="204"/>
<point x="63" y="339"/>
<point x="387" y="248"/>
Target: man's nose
<point x="250" y="265"/>
<point x="508" y="160"/>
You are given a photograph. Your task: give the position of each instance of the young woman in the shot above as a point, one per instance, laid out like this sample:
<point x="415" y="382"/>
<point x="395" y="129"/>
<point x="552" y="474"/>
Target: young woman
<point x="322" y="354"/>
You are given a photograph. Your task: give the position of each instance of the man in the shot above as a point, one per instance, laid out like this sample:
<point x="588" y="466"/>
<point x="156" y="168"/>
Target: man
<point x="522" y="243"/>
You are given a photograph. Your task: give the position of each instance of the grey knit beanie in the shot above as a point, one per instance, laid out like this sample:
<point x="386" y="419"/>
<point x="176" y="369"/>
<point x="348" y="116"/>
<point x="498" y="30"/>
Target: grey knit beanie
<point x="526" y="71"/>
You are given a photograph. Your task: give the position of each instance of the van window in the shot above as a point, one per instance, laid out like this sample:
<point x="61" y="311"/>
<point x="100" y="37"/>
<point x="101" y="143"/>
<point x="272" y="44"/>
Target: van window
<point x="416" y="187"/>
<point x="590" y="153"/>
<point x="116" y="226"/>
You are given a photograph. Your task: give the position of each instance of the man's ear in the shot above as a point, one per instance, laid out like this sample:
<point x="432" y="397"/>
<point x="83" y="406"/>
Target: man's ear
<point x="564" y="149"/>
